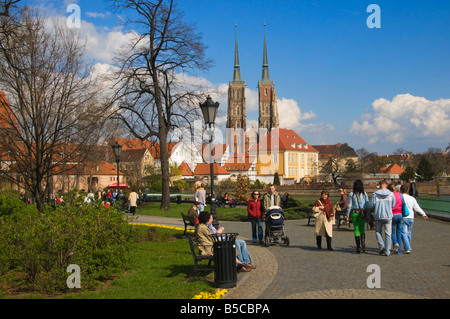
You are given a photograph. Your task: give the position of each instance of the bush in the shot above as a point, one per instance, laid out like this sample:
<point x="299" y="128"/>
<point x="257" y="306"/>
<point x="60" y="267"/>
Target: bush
<point x="295" y="209"/>
<point x="43" y="245"/>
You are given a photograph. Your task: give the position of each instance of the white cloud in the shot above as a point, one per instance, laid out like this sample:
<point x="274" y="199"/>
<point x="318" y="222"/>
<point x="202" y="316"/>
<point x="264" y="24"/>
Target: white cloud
<point x="291" y="116"/>
<point x="403" y="119"/>
<point x="103" y="44"/>
<point x="101" y="15"/>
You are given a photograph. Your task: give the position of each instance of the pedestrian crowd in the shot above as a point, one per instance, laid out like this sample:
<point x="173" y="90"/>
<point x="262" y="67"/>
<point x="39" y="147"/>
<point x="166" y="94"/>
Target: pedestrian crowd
<point x="390" y="212"/>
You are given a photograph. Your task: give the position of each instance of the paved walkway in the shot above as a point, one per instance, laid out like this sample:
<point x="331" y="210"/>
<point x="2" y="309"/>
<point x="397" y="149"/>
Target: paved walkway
<point x="300" y="271"/>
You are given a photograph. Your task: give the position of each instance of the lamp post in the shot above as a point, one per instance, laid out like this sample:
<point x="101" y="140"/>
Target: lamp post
<point x="209" y="110"/>
<point x="117" y="148"/>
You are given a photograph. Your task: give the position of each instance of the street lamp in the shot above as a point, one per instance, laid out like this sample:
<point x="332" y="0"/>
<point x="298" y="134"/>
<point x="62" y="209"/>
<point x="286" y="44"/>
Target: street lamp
<point x="117" y="148"/>
<point x="209" y="110"/>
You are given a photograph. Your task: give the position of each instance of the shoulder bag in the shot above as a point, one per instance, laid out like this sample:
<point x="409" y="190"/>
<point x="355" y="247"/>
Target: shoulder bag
<point x="405" y="211"/>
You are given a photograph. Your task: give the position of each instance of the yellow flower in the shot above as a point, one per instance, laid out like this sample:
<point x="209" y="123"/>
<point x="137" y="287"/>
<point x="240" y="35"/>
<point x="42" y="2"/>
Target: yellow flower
<point x="206" y="295"/>
<point x="162" y="226"/>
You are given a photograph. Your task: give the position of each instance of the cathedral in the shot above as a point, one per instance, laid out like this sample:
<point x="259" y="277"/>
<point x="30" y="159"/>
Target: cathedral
<point x="237" y="139"/>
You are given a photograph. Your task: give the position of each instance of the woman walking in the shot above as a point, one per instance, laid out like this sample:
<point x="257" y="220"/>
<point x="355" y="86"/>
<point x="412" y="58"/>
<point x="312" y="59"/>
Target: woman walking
<point x="324" y="214"/>
<point x="255" y="214"/>
<point x="355" y="210"/>
<point x="398" y="227"/>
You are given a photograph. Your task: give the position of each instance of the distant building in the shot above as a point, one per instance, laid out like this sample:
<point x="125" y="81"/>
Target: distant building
<point x="334" y="158"/>
<point x="285" y="152"/>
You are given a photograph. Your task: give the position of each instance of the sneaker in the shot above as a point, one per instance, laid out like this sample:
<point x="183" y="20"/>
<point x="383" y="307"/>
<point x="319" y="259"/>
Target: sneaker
<point x="381" y="252"/>
<point x="396" y="247"/>
<point x="407" y="251"/>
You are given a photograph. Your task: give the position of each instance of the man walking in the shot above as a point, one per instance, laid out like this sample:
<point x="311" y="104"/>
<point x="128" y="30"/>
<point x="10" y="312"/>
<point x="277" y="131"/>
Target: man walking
<point x="132" y="199"/>
<point x="200" y="196"/>
<point x="382" y="202"/>
<point x="271" y="198"/>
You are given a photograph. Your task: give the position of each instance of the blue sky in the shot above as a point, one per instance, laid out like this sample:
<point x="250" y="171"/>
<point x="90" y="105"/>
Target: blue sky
<point x="337" y="80"/>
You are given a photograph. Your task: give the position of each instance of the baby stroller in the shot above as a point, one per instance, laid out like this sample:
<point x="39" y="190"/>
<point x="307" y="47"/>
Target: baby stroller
<point x="275" y="233"/>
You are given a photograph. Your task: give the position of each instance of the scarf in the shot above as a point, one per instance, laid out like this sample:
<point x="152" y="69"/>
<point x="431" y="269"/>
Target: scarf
<point x="327" y="206"/>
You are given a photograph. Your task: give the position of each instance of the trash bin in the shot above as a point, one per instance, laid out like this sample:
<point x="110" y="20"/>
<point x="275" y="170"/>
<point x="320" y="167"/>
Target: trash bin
<point x="178" y="199"/>
<point x="225" y="272"/>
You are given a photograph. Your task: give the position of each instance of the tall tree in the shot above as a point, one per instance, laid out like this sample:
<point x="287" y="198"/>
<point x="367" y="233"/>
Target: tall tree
<point x="51" y="116"/>
<point x="152" y="96"/>
<point x="425" y="170"/>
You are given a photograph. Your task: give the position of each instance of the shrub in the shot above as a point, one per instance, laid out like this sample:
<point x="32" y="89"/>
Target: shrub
<point x="42" y="245"/>
<point x="295" y="209"/>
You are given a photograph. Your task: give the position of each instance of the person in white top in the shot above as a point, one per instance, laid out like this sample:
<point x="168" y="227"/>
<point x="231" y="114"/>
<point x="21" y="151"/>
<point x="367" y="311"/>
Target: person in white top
<point x="413" y="207"/>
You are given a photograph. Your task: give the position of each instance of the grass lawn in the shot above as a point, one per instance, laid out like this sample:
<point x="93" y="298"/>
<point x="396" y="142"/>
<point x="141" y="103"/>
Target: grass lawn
<point x="231" y="214"/>
<point x="161" y="268"/>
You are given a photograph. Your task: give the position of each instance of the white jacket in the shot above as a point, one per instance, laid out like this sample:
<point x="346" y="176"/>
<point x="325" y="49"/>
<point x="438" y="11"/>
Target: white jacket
<point x="413" y="206"/>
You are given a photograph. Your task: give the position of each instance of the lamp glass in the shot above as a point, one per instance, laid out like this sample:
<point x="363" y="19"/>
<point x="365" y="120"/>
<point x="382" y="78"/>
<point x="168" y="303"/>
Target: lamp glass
<point x="117" y="148"/>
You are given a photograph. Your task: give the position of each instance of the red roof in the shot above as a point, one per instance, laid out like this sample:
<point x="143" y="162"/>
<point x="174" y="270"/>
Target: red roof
<point x="185" y="169"/>
<point x="6" y="114"/>
<point x="392" y="169"/>
<point x="132" y="143"/>
<point x="239" y="163"/>
<point x="204" y="169"/>
<point x="283" y="140"/>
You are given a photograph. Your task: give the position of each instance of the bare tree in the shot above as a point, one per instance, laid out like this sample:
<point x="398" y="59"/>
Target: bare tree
<point x="53" y="112"/>
<point x="6" y="6"/>
<point x="153" y="99"/>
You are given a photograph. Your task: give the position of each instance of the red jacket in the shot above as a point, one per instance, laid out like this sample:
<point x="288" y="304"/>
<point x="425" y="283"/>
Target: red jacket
<point x="254" y="209"/>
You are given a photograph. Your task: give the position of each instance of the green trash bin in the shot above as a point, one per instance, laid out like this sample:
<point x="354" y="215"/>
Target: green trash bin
<point x="225" y="270"/>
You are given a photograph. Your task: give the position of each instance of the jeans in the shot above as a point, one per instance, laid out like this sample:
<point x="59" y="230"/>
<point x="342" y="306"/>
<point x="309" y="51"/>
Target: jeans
<point x="241" y="247"/>
<point x="399" y="233"/>
<point x="408" y="222"/>
<point x="386" y="244"/>
<point x="257" y="223"/>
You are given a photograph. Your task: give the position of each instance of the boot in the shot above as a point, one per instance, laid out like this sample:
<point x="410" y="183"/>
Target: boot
<point x="329" y="243"/>
<point x="363" y="242"/>
<point x="319" y="242"/>
<point x="358" y="244"/>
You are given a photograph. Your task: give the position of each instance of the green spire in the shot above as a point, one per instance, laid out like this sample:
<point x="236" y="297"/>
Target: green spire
<point x="265" y="72"/>
<point x="237" y="68"/>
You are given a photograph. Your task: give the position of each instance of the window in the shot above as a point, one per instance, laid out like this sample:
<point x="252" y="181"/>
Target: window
<point x="265" y="91"/>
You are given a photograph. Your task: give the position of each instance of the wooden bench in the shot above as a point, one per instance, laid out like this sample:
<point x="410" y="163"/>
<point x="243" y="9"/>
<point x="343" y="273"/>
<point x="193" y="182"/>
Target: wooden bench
<point x="187" y="222"/>
<point x="197" y="257"/>
<point x="310" y="216"/>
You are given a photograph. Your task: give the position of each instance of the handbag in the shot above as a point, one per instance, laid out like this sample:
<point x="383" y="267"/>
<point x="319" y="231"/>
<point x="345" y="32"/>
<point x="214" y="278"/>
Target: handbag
<point x="405" y="211"/>
<point x="360" y="211"/>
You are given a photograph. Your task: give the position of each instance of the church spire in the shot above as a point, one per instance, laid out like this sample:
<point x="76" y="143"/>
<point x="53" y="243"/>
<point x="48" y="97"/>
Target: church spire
<point x="265" y="72"/>
<point x="237" y="68"/>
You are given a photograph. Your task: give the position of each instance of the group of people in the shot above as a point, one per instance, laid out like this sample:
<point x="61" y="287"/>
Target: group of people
<point x="393" y="216"/>
<point x="108" y="198"/>
<point x="204" y="229"/>
<point x="256" y="209"/>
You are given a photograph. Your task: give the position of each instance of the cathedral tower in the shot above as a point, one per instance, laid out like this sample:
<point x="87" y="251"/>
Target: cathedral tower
<point x="268" y="110"/>
<point x="237" y="111"/>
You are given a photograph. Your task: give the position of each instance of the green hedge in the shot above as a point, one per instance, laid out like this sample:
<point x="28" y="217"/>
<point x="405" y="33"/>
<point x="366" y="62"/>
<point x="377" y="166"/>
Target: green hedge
<point x="41" y="246"/>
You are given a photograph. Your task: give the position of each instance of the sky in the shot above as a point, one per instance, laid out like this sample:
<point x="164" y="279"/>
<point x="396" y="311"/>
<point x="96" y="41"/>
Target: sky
<point x="337" y="79"/>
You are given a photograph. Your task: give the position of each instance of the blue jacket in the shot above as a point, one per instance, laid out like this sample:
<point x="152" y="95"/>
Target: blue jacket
<point x="382" y="201"/>
<point x="356" y="200"/>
